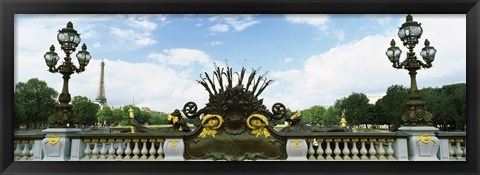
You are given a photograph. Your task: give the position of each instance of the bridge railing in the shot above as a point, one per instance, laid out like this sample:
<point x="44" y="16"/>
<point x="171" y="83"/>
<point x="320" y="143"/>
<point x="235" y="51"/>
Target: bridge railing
<point x="317" y="146"/>
<point x="28" y="147"/>
<point x="388" y="146"/>
<point x="452" y="146"/>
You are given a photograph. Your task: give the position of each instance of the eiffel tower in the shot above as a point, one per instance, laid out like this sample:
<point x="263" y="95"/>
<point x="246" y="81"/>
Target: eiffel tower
<point x="101" y="99"/>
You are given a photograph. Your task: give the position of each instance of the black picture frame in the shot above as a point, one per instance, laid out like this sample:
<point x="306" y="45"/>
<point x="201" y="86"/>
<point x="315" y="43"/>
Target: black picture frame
<point x="8" y="8"/>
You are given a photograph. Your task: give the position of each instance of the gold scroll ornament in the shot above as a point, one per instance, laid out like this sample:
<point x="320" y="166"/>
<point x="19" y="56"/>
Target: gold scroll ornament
<point x="425" y="138"/>
<point x="257" y="123"/>
<point x="211" y="123"/>
<point x="53" y="139"/>
<point x="296" y="143"/>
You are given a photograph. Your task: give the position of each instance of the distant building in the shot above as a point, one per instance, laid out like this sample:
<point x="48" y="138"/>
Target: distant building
<point x="373" y="99"/>
<point x="147" y="109"/>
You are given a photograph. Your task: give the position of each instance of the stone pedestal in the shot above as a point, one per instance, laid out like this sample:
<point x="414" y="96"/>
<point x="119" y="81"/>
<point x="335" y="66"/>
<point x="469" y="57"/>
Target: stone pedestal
<point x="297" y="150"/>
<point x="56" y="144"/>
<point x="174" y="149"/>
<point x="423" y="145"/>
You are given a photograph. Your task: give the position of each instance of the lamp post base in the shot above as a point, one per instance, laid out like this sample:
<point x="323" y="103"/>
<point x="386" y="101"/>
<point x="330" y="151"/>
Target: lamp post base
<point x="422" y="143"/>
<point x="56" y="144"/>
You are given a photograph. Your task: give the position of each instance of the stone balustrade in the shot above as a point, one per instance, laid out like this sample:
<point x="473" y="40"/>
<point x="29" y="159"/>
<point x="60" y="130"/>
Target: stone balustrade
<point x="122" y="149"/>
<point x="28" y="147"/>
<point x="318" y="146"/>
<point x="452" y="146"/>
<point x="355" y="146"/>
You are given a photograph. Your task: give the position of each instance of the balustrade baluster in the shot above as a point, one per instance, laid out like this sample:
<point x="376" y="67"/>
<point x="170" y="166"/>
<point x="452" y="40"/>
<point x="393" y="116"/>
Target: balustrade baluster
<point x="346" y="150"/>
<point x="451" y="143"/>
<point x="160" y="149"/>
<point x="119" y="150"/>
<point x="390" y="150"/>
<point x="144" y="149"/>
<point x="328" y="150"/>
<point x="128" y="150"/>
<point x="87" y="150"/>
<point x="26" y="151"/>
<point x="95" y="150"/>
<point x="31" y="150"/>
<point x="103" y="151"/>
<point x="319" y="150"/>
<point x="372" y="150"/>
<point x="18" y="151"/>
<point x="355" y="150"/>
<point x="337" y="150"/>
<point x="381" y="150"/>
<point x="459" y="151"/>
<point x="136" y="150"/>
<point x="111" y="151"/>
<point x="363" y="150"/>
<point x="311" y="151"/>
<point x="152" y="150"/>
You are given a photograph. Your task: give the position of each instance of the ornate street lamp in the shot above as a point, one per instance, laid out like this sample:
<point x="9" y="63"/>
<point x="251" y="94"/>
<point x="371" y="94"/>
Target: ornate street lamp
<point x="416" y="113"/>
<point x="69" y="40"/>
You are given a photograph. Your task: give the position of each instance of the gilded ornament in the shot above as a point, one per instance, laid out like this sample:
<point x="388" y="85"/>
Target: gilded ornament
<point x="53" y="139"/>
<point x="173" y="143"/>
<point x="296" y="143"/>
<point x="211" y="123"/>
<point x="425" y="138"/>
<point x="257" y="123"/>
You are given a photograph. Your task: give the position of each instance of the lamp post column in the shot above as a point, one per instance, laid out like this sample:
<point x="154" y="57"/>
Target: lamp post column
<point x="61" y="124"/>
<point x="417" y="121"/>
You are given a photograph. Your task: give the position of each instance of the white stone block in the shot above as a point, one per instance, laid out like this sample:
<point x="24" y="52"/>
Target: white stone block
<point x="56" y="144"/>
<point x="401" y="149"/>
<point x="423" y="145"/>
<point x="297" y="150"/>
<point x="174" y="149"/>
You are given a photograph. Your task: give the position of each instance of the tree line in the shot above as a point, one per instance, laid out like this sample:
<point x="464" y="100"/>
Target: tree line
<point x="447" y="105"/>
<point x="34" y="101"/>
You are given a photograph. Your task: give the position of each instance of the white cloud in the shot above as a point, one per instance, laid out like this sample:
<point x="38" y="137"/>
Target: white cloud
<point x="131" y="36"/>
<point x="142" y="23"/>
<point x="286" y="60"/>
<point x="214" y="43"/>
<point x="219" y="28"/>
<point x="153" y="85"/>
<point x="180" y="57"/>
<point x="321" y="22"/>
<point x="238" y="23"/>
<point x="97" y="44"/>
<point x="318" y="21"/>
<point x="362" y="66"/>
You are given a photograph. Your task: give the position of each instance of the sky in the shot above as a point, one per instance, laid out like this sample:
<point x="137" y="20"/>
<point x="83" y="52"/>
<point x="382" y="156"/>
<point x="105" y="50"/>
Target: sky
<point x="315" y="59"/>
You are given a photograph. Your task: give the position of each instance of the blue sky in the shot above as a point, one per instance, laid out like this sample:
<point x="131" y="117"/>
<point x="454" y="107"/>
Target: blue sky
<point x="315" y="59"/>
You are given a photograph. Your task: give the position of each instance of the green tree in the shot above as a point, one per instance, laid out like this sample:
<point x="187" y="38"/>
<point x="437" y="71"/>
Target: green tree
<point x="140" y="116"/>
<point x="447" y="105"/>
<point x="84" y="111"/>
<point x="105" y="115"/>
<point x="121" y="115"/>
<point x="158" y="118"/>
<point x="357" y="109"/>
<point x="314" y="115"/>
<point x="332" y="116"/>
<point x="34" y="102"/>
<point x="390" y="108"/>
